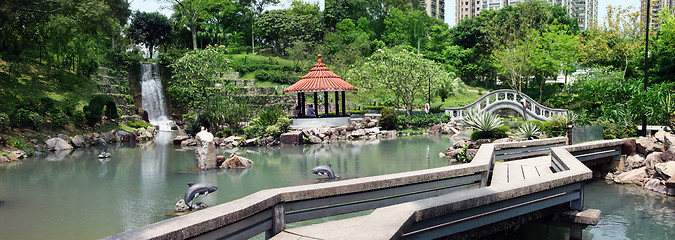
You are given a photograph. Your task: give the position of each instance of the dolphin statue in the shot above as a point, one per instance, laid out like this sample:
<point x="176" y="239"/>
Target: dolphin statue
<point x="197" y="188"/>
<point x="325" y="170"/>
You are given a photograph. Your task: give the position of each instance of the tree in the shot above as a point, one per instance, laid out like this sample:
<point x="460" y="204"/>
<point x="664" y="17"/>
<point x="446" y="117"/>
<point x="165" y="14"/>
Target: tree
<point x="280" y="28"/>
<point x="188" y="11"/>
<point x="195" y="76"/>
<point x="513" y="62"/>
<point x="149" y="29"/>
<point x="258" y="6"/>
<point x="398" y="71"/>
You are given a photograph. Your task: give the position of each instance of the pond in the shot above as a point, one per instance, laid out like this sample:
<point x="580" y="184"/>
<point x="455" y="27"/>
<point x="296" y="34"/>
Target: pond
<point x="76" y="196"/>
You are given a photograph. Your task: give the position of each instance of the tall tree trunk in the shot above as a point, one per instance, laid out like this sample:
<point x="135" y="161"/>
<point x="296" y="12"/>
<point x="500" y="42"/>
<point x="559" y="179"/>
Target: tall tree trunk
<point x="193" y="29"/>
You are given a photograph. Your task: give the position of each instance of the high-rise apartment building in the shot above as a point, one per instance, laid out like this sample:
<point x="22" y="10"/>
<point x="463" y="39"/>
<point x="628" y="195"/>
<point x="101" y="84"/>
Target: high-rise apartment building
<point x="656" y="6"/>
<point x="584" y="11"/>
<point x="434" y="8"/>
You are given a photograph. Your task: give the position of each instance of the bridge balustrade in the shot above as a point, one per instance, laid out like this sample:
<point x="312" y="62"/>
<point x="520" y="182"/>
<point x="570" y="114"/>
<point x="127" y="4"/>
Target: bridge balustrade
<point x="507" y="99"/>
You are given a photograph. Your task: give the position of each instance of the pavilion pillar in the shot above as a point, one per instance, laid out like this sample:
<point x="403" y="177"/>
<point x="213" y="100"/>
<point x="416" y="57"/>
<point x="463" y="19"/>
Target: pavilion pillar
<point x="302" y="107"/>
<point x="299" y="112"/>
<point x="337" y="103"/>
<point x="316" y="104"/>
<point x="325" y="102"/>
<point x="344" y="110"/>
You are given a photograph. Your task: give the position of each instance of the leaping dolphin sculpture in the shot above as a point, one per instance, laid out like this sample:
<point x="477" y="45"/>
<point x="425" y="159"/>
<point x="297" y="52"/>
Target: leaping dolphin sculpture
<point x="325" y="170"/>
<point x="197" y="188"/>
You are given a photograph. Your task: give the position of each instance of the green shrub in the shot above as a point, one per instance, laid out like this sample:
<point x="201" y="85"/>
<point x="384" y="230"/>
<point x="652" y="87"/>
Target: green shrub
<point x="500" y="132"/>
<point x="59" y="119"/>
<point x="275" y="76"/>
<point x="379" y="108"/>
<point x="26" y="118"/>
<point x="389" y="120"/>
<point x="138" y="124"/>
<point x="357" y="111"/>
<point x="436" y="108"/>
<point x="616" y="131"/>
<point x="536" y="123"/>
<point x="282" y="125"/>
<point x="219" y="134"/>
<point x="254" y="131"/>
<point x="269" y="116"/>
<point x="79" y="117"/>
<point x="100" y="104"/>
<point x="446" y="118"/>
<point x="554" y="128"/>
<point x="227" y="132"/>
<point x="420" y="120"/>
<point x="4" y="121"/>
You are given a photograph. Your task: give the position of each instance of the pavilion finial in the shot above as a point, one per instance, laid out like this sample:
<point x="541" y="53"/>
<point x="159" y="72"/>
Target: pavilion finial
<point x="320" y="58"/>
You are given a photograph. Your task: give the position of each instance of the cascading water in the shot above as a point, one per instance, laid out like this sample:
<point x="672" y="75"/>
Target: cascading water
<point x="153" y="98"/>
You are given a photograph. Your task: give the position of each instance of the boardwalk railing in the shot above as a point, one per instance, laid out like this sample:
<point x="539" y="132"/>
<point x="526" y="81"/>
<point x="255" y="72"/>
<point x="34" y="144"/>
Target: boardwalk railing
<point x="409" y="205"/>
<point x="507" y="99"/>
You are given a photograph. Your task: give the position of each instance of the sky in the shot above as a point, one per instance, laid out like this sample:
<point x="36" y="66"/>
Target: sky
<point x="162" y="7"/>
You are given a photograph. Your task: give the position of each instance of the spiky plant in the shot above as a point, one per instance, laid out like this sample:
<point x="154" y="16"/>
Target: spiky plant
<point x="482" y="121"/>
<point x="529" y="131"/>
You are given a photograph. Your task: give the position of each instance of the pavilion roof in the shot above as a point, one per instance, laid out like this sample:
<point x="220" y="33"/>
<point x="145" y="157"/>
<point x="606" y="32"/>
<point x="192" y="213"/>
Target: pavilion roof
<point x="320" y="79"/>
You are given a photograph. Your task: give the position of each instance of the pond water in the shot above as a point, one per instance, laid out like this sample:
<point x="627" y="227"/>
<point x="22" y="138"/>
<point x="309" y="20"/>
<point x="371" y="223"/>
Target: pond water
<point x="76" y="196"/>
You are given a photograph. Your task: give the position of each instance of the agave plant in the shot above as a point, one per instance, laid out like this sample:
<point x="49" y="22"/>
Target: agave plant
<point x="482" y="121"/>
<point x="529" y="131"/>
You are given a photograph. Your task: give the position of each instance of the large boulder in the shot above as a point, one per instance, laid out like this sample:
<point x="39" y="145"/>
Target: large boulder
<point x="235" y="161"/>
<point x="3" y="159"/>
<point x="649" y="145"/>
<point x="57" y="144"/>
<point x="666" y="169"/>
<point x="670" y="142"/>
<point x="651" y="160"/>
<point x="656" y="185"/>
<point x="205" y="153"/>
<point x="635" y="161"/>
<point x="181" y="206"/>
<point x="629" y="146"/>
<point x="661" y="136"/>
<point x="358" y="133"/>
<point x="77" y="141"/>
<point x="634" y="176"/>
<point x="315" y="140"/>
<point x="179" y="139"/>
<point x="16" y="155"/>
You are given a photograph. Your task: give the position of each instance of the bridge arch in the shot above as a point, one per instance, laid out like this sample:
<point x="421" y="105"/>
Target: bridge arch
<point x="507" y="99"/>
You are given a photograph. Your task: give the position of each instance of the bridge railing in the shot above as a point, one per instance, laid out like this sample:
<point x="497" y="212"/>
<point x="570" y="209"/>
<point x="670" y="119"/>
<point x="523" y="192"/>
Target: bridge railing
<point x="512" y="99"/>
<point x="268" y="211"/>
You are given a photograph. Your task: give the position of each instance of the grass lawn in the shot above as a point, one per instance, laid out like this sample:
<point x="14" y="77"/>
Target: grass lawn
<point x="462" y="99"/>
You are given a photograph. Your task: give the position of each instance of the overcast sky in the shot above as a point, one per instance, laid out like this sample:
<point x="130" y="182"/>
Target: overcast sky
<point x="161" y="6"/>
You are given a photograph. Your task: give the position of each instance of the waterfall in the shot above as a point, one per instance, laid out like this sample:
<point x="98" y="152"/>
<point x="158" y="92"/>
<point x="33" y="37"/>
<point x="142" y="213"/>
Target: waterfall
<point x="153" y="98"/>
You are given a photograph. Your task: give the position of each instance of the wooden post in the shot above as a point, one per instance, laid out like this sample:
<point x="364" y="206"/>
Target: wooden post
<point x="278" y="221"/>
<point x="316" y="104"/>
<point x="344" y="110"/>
<point x="325" y="102"/>
<point x="337" y="103"/>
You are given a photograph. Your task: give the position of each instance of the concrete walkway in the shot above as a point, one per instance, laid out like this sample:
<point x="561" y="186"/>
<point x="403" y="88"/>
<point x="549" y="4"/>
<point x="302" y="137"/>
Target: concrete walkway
<point x="328" y="230"/>
<point x="519" y="170"/>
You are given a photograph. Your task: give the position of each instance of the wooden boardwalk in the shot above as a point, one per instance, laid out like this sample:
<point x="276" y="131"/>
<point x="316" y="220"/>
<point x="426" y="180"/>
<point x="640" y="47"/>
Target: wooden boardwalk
<point x="519" y="170"/>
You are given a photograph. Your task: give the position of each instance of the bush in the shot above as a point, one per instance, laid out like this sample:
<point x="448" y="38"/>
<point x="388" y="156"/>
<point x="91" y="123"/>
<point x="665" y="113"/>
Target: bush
<point x="446" y="118"/>
<point x="4" y="121"/>
<point x="389" y="120"/>
<point x="436" y="108"/>
<point x="616" y="131"/>
<point x="500" y="132"/>
<point x="357" y="111"/>
<point x="482" y="121"/>
<point x="100" y="104"/>
<point x="269" y="116"/>
<point x="59" y="119"/>
<point x="254" y="131"/>
<point x="78" y="117"/>
<point x="26" y="118"/>
<point x="275" y="76"/>
<point x="529" y="130"/>
<point x="420" y="120"/>
<point x="138" y="124"/>
<point x="379" y="108"/>
<point x="554" y="128"/>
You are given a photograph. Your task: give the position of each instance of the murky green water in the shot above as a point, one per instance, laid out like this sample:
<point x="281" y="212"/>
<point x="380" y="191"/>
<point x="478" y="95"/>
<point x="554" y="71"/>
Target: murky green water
<point x="76" y="196"/>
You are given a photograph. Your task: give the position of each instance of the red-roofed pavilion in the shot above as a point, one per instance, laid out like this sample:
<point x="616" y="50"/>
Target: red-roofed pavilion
<point x="321" y="79"/>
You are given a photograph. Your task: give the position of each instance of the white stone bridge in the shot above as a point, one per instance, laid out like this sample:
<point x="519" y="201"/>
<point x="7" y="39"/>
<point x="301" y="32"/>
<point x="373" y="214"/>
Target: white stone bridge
<point x="507" y="99"/>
